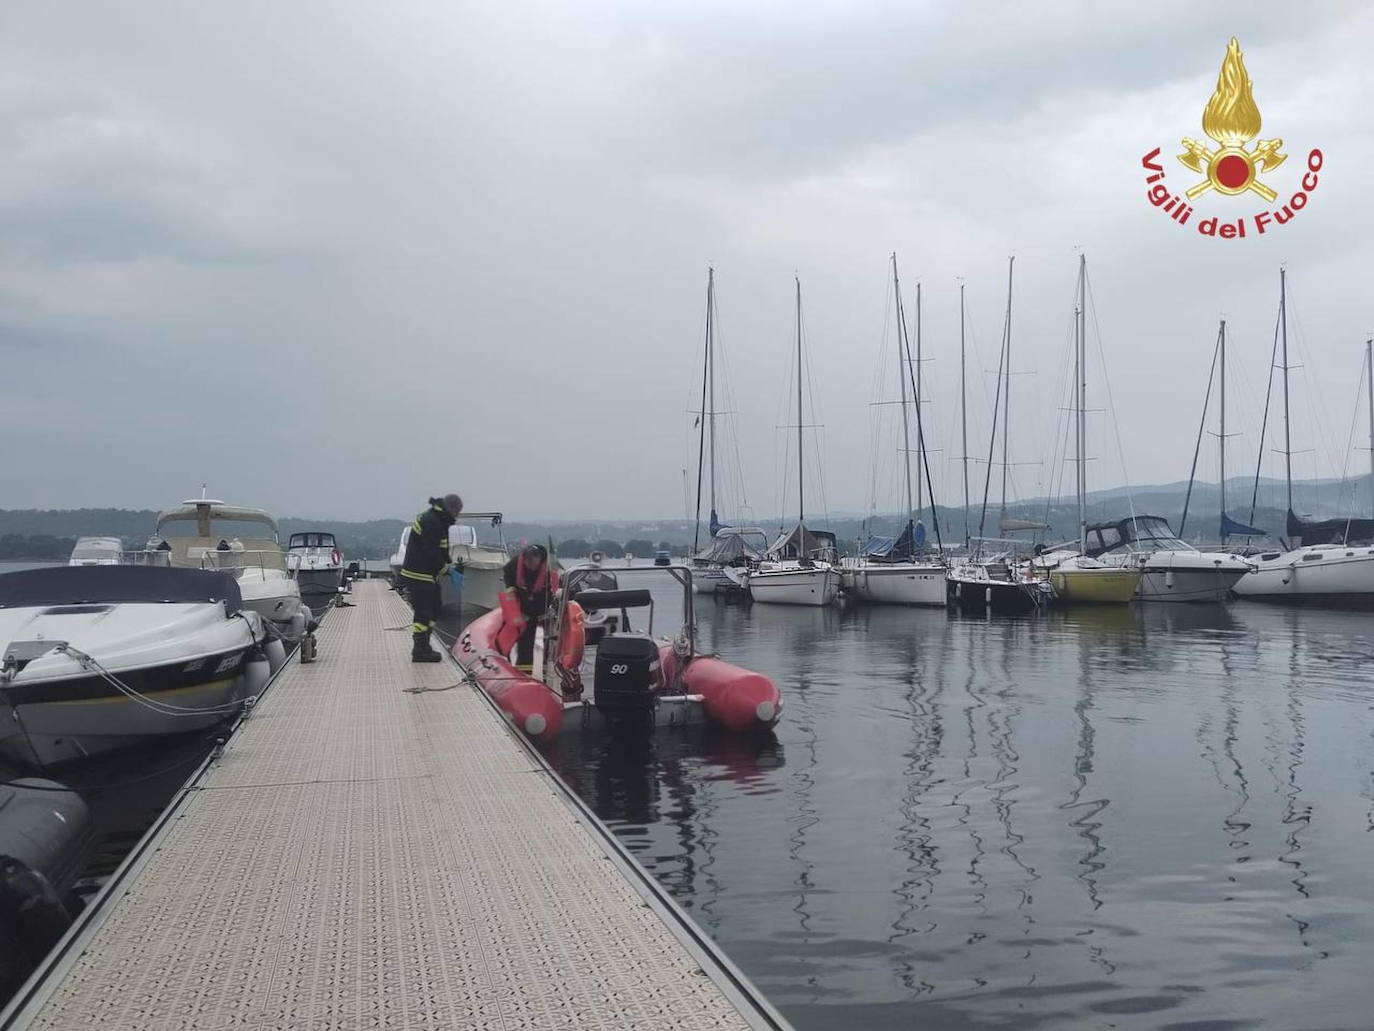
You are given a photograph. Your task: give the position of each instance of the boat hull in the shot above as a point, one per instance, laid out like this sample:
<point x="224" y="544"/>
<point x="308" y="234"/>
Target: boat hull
<point x="1340" y="577"/>
<point x="482" y="587"/>
<point x="899" y="583"/>
<point x="319" y="587"/>
<point x="815" y="587"/>
<point x="1095" y="586"/>
<point x="54" y="722"/>
<point x="1188" y="585"/>
<point x="1001" y="596"/>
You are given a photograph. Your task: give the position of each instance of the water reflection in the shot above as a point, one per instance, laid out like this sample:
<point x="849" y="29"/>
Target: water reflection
<point x="1095" y="816"/>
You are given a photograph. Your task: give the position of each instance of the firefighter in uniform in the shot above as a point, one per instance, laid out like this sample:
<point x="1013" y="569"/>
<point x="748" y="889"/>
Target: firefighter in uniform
<point x="427" y="559"/>
<point x="534" y="584"/>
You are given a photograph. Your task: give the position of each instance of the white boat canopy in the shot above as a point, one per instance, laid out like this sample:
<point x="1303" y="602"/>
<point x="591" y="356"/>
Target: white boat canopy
<point x="205" y="510"/>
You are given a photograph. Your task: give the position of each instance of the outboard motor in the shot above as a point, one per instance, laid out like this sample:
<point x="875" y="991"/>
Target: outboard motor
<point x="626" y="679"/>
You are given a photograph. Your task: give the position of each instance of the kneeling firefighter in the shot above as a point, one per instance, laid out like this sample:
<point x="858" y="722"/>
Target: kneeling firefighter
<point x="533" y="583"/>
<point x="427" y="559"/>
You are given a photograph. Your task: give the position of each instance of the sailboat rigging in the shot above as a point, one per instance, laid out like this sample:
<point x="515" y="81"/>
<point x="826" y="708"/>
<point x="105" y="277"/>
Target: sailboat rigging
<point x="799" y="568"/>
<point x="729" y="549"/>
<point x="890" y="570"/>
<point x="1324" y="567"/>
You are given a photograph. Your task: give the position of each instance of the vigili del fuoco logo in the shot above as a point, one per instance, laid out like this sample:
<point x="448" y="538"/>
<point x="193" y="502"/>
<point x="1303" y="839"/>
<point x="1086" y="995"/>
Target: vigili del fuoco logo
<point x="1233" y="168"/>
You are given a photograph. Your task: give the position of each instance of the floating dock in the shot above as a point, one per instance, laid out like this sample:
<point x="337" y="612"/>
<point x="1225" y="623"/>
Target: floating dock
<point x="376" y="848"/>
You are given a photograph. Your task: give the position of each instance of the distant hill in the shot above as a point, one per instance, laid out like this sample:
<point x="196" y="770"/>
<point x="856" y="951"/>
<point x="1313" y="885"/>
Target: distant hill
<point x="38" y="534"/>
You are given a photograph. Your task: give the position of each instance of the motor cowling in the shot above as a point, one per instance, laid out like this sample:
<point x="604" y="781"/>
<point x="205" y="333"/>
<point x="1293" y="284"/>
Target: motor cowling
<point x="626" y="677"/>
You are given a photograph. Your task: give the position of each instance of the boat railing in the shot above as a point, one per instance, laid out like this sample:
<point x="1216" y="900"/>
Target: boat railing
<point x="145" y="557"/>
<point x="234" y="560"/>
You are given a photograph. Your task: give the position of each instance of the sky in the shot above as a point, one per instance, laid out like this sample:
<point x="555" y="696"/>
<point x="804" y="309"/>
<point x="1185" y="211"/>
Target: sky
<point x="332" y="258"/>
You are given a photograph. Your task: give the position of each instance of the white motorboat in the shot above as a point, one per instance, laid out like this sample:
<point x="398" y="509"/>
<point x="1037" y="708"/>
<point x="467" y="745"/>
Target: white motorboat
<point x="1170" y="570"/>
<point x="207" y="534"/>
<point x="94" y="659"/>
<point x="398" y="557"/>
<point x="481" y="563"/>
<point x="314" y="561"/>
<point x="719" y="567"/>
<point x="96" y="551"/>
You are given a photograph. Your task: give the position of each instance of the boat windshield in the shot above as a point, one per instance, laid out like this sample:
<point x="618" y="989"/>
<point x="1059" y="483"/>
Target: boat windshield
<point x="311" y="540"/>
<point x="1155" y="533"/>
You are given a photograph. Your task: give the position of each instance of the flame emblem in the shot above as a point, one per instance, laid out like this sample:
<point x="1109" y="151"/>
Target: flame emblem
<point x="1233" y="120"/>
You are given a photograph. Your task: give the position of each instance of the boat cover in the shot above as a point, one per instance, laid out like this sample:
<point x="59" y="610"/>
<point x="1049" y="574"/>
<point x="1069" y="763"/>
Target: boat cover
<point x="110" y="585"/>
<point x="800" y="542"/>
<point x="905" y="546"/>
<point x="1231" y="528"/>
<point x="1330" y="531"/>
<point x="724" y="550"/>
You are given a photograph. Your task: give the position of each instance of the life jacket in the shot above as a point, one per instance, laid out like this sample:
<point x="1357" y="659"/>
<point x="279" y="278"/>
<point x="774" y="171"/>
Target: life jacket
<point x="544" y="580"/>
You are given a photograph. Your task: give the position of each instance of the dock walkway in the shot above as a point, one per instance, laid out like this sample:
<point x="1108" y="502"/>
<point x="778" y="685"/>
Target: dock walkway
<point x="363" y="856"/>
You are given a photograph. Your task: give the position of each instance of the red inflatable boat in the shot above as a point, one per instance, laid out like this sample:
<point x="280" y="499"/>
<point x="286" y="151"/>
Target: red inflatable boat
<point x="637" y="680"/>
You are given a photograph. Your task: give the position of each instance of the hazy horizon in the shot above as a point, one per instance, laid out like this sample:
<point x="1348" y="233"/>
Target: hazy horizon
<point x="341" y="257"/>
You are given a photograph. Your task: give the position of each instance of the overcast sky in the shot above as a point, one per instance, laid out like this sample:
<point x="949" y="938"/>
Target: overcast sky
<point x="333" y="257"/>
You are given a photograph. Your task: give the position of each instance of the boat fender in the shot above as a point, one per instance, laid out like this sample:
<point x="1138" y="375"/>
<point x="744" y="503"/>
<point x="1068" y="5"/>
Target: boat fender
<point x="512" y="622"/>
<point x="256" y="672"/>
<point x="297" y="625"/>
<point x="1169" y="579"/>
<point x="275" y="652"/>
<point x="32" y="919"/>
<point x="571" y="647"/>
<point x="987" y="595"/>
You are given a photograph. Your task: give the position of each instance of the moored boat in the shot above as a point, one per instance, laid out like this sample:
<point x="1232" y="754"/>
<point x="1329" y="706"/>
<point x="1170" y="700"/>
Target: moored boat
<point x="480" y="562"/>
<point x="314" y="561"/>
<point x="637" y="681"/>
<point x="1170" y="570"/>
<point x="205" y="534"/>
<point x="95" y="659"/>
<point x="1327" y="567"/>
<point x="96" y="551"/>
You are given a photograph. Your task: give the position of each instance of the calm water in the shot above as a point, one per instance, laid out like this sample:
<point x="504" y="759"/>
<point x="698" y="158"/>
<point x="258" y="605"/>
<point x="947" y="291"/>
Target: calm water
<point x="1145" y="817"/>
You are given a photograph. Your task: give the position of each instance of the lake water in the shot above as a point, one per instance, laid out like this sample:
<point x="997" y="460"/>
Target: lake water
<point x="1143" y="817"/>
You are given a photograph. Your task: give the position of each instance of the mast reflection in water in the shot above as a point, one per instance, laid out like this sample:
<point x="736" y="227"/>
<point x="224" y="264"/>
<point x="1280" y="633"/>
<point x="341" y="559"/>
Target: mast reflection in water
<point x="1144" y="817"/>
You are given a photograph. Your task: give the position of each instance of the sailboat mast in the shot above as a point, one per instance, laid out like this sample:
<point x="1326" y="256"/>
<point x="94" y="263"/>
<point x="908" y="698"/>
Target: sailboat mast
<point x="801" y="493"/>
<point x="1369" y="365"/>
<point x="1006" y="396"/>
<point x="963" y="406"/>
<point x="1287" y="439"/>
<point x="1081" y="378"/>
<point x="901" y="380"/>
<point x="916" y="389"/>
<point x="701" y="414"/>
<point x="1221" y="436"/>
<point x="711" y="372"/>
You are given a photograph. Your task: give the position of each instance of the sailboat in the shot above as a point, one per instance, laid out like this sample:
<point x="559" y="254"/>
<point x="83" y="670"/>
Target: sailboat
<point x="1076" y="578"/>
<point x="990" y="580"/>
<point x="1324" y="567"/>
<point x="799" y="568"/>
<point x="891" y="571"/>
<point x="719" y="567"/>
<point x="1172" y="570"/>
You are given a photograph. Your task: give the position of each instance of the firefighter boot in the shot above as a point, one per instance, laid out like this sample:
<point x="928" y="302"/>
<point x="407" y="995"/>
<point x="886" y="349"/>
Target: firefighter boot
<point x="422" y="651"/>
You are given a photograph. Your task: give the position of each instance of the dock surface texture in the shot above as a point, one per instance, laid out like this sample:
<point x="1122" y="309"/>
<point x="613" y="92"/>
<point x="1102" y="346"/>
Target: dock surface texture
<point x="361" y="857"/>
